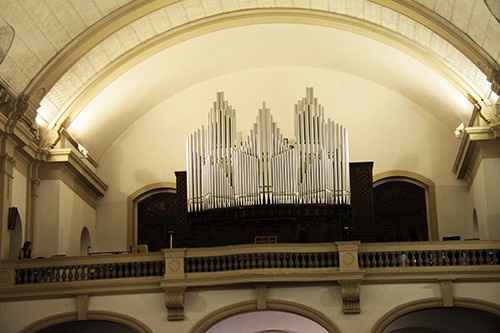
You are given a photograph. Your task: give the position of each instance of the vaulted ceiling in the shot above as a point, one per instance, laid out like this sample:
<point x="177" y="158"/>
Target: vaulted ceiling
<point x="66" y="51"/>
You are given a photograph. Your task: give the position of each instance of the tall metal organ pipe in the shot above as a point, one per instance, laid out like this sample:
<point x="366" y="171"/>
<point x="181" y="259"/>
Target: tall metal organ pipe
<point x="226" y="169"/>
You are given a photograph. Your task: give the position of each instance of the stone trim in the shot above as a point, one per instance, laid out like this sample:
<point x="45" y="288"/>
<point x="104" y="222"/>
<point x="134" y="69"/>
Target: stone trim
<point x="272" y="305"/>
<point x="91" y="315"/>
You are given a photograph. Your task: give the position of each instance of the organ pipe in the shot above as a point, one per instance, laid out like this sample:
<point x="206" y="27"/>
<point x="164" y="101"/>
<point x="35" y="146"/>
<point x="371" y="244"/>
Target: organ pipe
<point x="227" y="169"/>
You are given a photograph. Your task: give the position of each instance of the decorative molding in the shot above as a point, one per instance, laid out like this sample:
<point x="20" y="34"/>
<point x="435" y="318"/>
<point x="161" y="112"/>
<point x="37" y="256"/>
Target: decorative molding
<point x="64" y="159"/>
<point x="430" y="194"/>
<point x="447" y="30"/>
<point x="203" y="325"/>
<point x="350" y="296"/>
<point x="174" y="302"/>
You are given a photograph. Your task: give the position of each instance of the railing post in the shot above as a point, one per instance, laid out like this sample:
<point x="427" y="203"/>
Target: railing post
<point x="173" y="283"/>
<point x="350" y="282"/>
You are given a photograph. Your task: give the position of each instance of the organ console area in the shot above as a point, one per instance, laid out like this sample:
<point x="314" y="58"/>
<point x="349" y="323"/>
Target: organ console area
<point x="265" y="187"/>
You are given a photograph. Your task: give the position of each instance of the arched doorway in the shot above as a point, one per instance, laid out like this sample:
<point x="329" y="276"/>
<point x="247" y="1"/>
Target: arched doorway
<point x="85" y="242"/>
<point x="445" y="320"/>
<point x="404" y="207"/>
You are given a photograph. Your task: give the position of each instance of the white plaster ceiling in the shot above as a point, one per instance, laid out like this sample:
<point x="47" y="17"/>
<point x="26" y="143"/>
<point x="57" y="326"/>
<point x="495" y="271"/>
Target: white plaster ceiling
<point x="261" y="46"/>
<point x="43" y="27"/>
<point x="267" y="322"/>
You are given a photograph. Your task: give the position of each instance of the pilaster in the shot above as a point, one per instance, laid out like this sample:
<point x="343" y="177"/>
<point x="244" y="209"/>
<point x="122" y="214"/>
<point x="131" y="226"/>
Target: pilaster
<point x="7" y="163"/>
<point x="173" y="283"/>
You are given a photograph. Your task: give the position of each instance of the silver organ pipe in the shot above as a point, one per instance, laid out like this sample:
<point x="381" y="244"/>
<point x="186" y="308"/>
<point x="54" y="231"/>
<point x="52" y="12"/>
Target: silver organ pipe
<point x="227" y="169"/>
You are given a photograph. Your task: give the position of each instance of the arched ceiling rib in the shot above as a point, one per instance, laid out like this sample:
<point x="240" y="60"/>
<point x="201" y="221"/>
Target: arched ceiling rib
<point x="469" y="16"/>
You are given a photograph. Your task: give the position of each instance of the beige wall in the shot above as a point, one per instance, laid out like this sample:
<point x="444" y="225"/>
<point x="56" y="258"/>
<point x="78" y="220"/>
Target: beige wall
<point x="60" y="217"/>
<point x="485" y="190"/>
<point x="376" y="300"/>
<point x="384" y="126"/>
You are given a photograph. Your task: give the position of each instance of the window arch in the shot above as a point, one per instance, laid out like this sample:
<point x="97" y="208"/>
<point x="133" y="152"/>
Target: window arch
<point x="416" y="187"/>
<point x="144" y="193"/>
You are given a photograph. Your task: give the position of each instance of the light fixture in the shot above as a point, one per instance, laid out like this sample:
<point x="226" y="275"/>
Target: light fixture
<point x="494" y="8"/>
<point x="6" y="37"/>
<point x="459" y="131"/>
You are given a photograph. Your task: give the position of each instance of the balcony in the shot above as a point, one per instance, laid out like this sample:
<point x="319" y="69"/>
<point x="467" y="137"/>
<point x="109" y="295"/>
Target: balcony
<point x="269" y="263"/>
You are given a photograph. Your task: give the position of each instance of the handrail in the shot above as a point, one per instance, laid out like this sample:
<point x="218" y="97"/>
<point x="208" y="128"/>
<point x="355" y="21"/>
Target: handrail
<point x="173" y="268"/>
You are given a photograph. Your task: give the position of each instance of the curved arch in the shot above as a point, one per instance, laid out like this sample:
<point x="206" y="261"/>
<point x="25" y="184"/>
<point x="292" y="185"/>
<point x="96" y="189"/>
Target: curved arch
<point x="276" y="305"/>
<point x="250" y="17"/>
<point x="132" y="200"/>
<point x="88" y="39"/>
<point x="430" y="303"/>
<point x="422" y="181"/>
<point x="91" y="315"/>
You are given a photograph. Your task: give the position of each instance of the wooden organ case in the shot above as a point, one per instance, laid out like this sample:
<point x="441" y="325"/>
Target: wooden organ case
<point x="266" y="188"/>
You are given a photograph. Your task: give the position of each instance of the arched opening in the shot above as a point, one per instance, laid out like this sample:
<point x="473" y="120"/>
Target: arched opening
<point x="404" y="207"/>
<point x="16" y="233"/>
<point x="85" y="242"/>
<point x="268" y="322"/>
<point x="445" y="319"/>
<point x="400" y="211"/>
<point x="84" y="326"/>
<point x="475" y="225"/>
<point x="156" y="216"/>
<point x="277" y="317"/>
<point x="97" y="321"/>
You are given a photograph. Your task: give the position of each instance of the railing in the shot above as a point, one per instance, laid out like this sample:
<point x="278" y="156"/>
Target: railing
<point x="375" y="262"/>
<point x="73" y="269"/>
<point x="266" y="260"/>
<point x="428" y="254"/>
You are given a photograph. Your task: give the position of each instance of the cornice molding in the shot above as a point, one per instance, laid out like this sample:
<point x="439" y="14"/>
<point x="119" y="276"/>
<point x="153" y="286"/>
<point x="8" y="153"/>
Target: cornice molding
<point x="75" y="163"/>
<point x="446" y="30"/>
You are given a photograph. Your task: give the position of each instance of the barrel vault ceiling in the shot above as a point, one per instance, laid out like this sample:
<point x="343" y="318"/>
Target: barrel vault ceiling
<point x="63" y="47"/>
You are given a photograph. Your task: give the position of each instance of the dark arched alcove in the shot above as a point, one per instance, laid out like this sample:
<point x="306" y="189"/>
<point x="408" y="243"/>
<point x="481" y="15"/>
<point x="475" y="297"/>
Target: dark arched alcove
<point x="400" y="211"/>
<point x="88" y="326"/>
<point x="445" y="320"/>
<point x="156" y="216"/>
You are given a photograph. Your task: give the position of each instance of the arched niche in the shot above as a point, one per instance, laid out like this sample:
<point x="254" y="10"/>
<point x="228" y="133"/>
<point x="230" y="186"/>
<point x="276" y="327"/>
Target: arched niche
<point x="16" y="233"/>
<point x="111" y="320"/>
<point x="405" y="318"/>
<point x="85" y="242"/>
<point x="134" y="199"/>
<point x="412" y="181"/>
<point x="317" y="320"/>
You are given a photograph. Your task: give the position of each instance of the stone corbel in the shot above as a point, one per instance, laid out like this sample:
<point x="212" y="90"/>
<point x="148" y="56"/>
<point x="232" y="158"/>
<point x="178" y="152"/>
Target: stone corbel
<point x="174" y="302"/>
<point x="350" y="296"/>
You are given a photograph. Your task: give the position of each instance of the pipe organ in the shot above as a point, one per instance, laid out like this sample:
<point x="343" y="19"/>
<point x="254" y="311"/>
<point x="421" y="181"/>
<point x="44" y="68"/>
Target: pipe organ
<point x="226" y="169"/>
